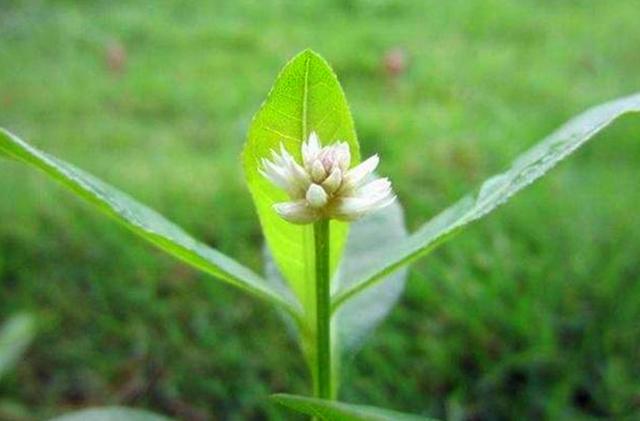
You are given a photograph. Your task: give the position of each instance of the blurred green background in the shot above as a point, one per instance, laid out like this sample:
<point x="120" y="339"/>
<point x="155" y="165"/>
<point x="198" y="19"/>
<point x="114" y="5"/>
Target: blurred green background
<point x="532" y="314"/>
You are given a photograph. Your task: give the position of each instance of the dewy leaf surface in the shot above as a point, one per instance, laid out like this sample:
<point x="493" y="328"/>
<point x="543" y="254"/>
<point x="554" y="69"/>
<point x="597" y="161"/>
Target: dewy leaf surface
<point x="144" y="221"/>
<point x="527" y="168"/>
<point x="326" y="410"/>
<point x="111" y="414"/>
<point x="306" y="97"/>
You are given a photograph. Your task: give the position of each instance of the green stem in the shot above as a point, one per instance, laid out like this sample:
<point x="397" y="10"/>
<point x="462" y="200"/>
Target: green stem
<point x="323" y="387"/>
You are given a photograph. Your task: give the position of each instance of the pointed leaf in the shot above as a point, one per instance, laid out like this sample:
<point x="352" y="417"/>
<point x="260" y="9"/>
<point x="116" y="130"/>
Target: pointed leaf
<point x="527" y="168"/>
<point x="111" y="414"/>
<point x="143" y="221"/>
<point x="306" y="97"/>
<point x="15" y="336"/>
<point x="326" y="410"/>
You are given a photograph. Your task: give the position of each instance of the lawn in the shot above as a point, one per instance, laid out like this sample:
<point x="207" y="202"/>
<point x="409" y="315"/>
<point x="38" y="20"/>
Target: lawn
<point x="531" y="314"/>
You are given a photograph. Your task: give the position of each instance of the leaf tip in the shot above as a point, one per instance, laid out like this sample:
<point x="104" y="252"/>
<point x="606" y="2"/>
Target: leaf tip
<point x="310" y="54"/>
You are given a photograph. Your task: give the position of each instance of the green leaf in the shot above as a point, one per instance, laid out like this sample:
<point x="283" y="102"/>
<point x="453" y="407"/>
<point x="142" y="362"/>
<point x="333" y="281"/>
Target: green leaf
<point x="144" y="221"/>
<point x="337" y="411"/>
<point x="306" y="97"/>
<point x="367" y="242"/>
<point x="111" y="414"/>
<point x="369" y="239"/>
<point x="15" y="336"/>
<point x="527" y="168"/>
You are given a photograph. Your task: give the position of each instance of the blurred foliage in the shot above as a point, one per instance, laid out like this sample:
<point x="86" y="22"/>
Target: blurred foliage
<point x="531" y="314"/>
<point x="15" y="335"/>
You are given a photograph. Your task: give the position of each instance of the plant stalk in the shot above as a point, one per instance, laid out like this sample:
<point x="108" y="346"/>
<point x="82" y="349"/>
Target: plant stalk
<point x="323" y="387"/>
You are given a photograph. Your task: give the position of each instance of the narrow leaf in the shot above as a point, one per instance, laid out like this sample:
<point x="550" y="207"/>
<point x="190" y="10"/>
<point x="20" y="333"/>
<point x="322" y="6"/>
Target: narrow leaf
<point x="337" y="411"/>
<point x="527" y="168"/>
<point x="306" y="97"/>
<point x="111" y="414"/>
<point x="15" y="336"/>
<point x="143" y="221"/>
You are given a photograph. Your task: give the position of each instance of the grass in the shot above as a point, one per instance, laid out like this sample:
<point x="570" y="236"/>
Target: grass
<point x="531" y="314"/>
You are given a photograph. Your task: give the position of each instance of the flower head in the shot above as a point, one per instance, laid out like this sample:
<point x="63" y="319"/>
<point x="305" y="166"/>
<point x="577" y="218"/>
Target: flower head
<point x="323" y="186"/>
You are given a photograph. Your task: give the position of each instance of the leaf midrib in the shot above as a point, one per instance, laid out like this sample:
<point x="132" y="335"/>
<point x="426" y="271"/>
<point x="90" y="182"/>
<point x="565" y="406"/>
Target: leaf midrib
<point x="307" y="234"/>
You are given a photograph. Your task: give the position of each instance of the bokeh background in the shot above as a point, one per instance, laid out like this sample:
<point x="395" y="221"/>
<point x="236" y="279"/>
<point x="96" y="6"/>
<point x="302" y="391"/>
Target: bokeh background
<point x="531" y="314"/>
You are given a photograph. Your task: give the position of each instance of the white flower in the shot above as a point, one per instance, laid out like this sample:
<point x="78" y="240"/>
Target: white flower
<point x="323" y="186"/>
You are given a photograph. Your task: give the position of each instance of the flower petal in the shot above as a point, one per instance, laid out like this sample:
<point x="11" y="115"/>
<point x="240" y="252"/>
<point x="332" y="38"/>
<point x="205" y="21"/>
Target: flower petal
<point x="352" y="208"/>
<point x="316" y="196"/>
<point x="318" y="173"/>
<point x="310" y="150"/>
<point x="276" y="174"/>
<point x="379" y="187"/>
<point x="356" y="175"/>
<point x="299" y="175"/>
<point x="332" y="183"/>
<point x="298" y="212"/>
<point x="344" y="156"/>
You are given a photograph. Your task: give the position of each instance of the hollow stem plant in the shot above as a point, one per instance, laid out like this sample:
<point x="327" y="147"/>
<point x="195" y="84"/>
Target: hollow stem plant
<point x="337" y="245"/>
